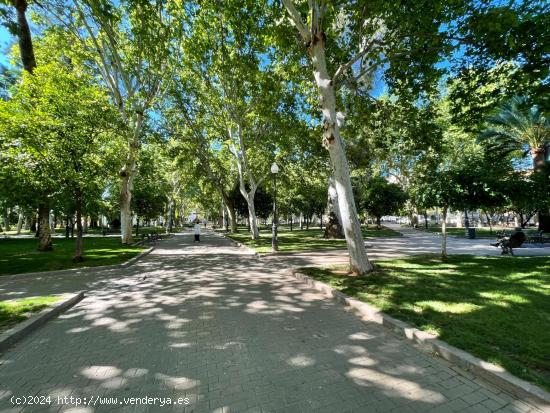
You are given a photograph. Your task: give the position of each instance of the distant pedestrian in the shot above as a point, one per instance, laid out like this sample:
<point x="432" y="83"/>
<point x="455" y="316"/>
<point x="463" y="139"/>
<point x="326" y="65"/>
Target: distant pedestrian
<point x="197" y="231"/>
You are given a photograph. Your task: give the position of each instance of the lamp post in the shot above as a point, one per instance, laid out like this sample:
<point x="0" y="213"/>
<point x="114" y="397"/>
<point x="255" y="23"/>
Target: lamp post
<point x="274" y="243"/>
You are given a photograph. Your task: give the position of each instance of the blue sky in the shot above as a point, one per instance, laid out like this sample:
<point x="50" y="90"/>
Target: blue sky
<point x="6" y="40"/>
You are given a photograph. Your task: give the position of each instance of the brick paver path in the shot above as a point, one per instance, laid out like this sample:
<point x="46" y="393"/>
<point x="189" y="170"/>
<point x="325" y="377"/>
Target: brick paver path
<point x="232" y="334"/>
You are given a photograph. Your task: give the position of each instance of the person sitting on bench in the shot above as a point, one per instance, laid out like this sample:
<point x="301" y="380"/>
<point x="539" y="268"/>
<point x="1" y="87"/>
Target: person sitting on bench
<point x="509" y="243"/>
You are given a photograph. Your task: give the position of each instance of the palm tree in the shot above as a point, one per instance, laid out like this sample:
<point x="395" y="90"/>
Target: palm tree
<point x="516" y="128"/>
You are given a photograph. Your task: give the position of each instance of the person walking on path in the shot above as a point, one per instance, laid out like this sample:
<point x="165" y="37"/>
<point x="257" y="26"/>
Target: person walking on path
<point x="197" y="231"/>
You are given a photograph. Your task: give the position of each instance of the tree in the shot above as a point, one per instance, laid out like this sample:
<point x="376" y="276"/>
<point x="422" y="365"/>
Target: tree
<point x="152" y="187"/>
<point x="526" y="194"/>
<point x="237" y="99"/>
<point x="500" y="40"/>
<point x="61" y="146"/>
<point x="519" y="129"/>
<point x="346" y="43"/>
<point x="380" y="197"/>
<point x="21" y="29"/>
<point x="133" y="46"/>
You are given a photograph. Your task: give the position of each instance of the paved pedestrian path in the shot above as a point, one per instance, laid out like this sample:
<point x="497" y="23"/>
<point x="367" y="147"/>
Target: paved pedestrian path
<point x="413" y="242"/>
<point x="226" y="332"/>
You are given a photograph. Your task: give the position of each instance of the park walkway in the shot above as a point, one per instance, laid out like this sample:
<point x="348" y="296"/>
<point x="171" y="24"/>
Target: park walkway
<point x="413" y="242"/>
<point x="230" y="332"/>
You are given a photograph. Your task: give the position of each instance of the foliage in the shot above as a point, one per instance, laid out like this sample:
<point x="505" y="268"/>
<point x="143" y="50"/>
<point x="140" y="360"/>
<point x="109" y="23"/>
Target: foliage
<point x="57" y="137"/>
<point x="150" y="195"/>
<point x="379" y="197"/>
<point x="517" y="129"/>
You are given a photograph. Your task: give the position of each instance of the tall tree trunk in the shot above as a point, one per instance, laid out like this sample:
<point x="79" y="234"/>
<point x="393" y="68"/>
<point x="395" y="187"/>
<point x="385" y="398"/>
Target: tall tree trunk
<point x="444" y="234"/>
<point x="252" y="219"/>
<point x="225" y="224"/>
<point x="125" y="206"/>
<point x="333" y="206"/>
<point x="85" y="224"/>
<point x="79" y="230"/>
<point x="489" y="222"/>
<point x="243" y="169"/>
<point x="232" y="217"/>
<point x="44" y="233"/>
<point x="20" y="219"/>
<point x="378" y="223"/>
<point x="127" y="176"/>
<point x="24" y="34"/>
<point x="7" y="226"/>
<point x="539" y="162"/>
<point x="291" y="221"/>
<point x="538" y="155"/>
<point x="359" y="262"/>
<point x="170" y="220"/>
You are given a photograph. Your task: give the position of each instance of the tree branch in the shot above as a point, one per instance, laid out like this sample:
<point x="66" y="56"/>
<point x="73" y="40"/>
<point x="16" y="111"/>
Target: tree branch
<point x="297" y="20"/>
<point x="347" y="65"/>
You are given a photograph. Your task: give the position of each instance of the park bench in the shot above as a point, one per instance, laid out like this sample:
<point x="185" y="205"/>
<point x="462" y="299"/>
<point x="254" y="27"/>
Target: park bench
<point x="507" y="244"/>
<point x="537" y="238"/>
<point x="153" y="237"/>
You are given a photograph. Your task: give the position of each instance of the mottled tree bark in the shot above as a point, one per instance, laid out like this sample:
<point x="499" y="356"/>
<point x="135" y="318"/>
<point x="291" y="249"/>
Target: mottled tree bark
<point x="44" y="233"/>
<point x="20" y="219"/>
<point x="79" y="230"/>
<point x="444" y="234"/>
<point x="315" y="39"/>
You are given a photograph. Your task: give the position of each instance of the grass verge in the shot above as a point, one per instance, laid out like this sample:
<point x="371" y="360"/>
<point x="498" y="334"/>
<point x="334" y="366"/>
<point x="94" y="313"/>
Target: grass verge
<point x="19" y="255"/>
<point x="305" y="240"/>
<point x="15" y="311"/>
<point x="497" y="308"/>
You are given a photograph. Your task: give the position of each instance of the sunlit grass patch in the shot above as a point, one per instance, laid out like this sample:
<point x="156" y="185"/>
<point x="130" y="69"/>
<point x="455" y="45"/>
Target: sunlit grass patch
<point x="304" y="240"/>
<point x="20" y="255"/>
<point x="15" y="311"/>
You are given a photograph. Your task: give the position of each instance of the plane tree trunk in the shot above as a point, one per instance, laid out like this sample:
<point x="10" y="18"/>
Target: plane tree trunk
<point x="315" y="39"/>
<point x="79" y="229"/>
<point x="332" y="141"/>
<point x="244" y="172"/>
<point x="127" y="176"/>
<point x="333" y="229"/>
<point x="444" y="234"/>
<point x="44" y="231"/>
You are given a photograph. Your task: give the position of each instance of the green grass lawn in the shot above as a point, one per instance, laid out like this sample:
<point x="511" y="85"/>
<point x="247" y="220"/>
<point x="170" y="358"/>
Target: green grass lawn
<point x="15" y="311"/>
<point x="93" y="231"/>
<point x="20" y="255"/>
<point x="497" y="308"/>
<point x="304" y="240"/>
